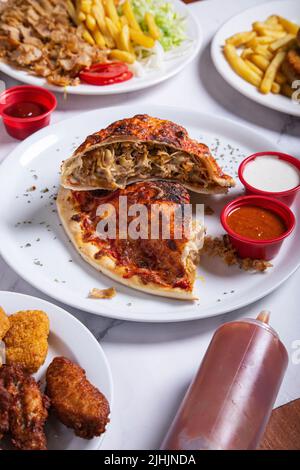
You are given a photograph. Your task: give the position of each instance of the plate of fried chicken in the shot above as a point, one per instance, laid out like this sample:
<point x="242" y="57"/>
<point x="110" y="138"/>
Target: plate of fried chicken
<point x="55" y="381"/>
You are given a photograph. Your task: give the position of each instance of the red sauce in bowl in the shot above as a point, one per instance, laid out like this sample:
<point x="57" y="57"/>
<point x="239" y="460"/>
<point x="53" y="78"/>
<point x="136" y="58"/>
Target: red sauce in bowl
<point x="256" y="223"/>
<point x="25" y="109"/>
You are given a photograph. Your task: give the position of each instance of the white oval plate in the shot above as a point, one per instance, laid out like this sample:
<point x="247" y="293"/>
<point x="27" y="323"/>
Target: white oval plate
<point x="70" y="338"/>
<point x="173" y="65"/>
<point x="242" y="22"/>
<point x="35" y="245"/>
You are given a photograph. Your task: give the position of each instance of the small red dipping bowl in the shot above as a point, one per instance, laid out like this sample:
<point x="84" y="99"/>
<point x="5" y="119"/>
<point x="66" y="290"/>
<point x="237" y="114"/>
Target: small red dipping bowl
<point x="20" y="128"/>
<point x="258" y="249"/>
<point x="284" y="196"/>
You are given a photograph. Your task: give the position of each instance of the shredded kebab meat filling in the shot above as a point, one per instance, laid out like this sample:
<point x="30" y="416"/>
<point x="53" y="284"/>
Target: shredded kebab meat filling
<point x="124" y="162"/>
<point x="143" y="148"/>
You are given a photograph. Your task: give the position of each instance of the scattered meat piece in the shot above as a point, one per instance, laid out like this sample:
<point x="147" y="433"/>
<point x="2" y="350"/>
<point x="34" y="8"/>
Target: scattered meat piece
<point x="222" y="248"/>
<point x="208" y="210"/>
<point x="4" y="323"/>
<point x="102" y="293"/>
<point x="40" y="37"/>
<point x="23" y="409"/>
<point x="75" y="401"/>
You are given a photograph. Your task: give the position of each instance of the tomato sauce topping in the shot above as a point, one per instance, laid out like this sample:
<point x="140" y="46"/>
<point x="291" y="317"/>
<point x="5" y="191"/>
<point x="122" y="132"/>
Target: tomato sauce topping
<point x="154" y="260"/>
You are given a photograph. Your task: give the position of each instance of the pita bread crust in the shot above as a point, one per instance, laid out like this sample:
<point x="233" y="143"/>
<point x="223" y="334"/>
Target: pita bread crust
<point x="146" y="129"/>
<point x="105" y="264"/>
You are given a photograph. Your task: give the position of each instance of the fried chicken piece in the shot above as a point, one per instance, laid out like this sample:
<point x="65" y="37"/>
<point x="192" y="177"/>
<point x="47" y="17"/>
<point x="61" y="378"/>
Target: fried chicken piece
<point x="75" y="401"/>
<point x="27" y="339"/>
<point x="23" y="409"/>
<point x="4" y="323"/>
<point x="4" y="409"/>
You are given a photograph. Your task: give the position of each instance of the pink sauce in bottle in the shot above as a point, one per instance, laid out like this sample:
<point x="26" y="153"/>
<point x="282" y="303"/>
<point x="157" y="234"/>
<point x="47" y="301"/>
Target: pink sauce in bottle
<point x="231" y="398"/>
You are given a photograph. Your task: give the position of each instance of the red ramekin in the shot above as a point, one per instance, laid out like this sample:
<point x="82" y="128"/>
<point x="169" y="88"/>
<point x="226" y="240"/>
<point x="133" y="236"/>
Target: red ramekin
<point x="258" y="249"/>
<point x="20" y="128"/>
<point x="284" y="196"/>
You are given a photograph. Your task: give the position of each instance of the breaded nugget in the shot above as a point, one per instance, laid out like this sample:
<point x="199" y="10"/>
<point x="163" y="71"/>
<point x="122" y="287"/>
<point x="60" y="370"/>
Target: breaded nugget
<point x="4" y="323"/>
<point x="23" y="409"/>
<point x="27" y="339"/>
<point x="76" y="402"/>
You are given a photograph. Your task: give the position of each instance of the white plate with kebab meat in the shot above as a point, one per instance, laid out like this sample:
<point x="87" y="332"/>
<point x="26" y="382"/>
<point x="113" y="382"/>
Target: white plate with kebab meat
<point x="47" y="351"/>
<point x="37" y="246"/>
<point x="51" y="42"/>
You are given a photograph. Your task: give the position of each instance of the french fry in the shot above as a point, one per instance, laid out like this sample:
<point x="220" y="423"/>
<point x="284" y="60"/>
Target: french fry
<point x="140" y="38"/>
<point x="90" y="22"/>
<point x="99" y="39"/>
<point x="128" y="12"/>
<point x="239" y="65"/>
<point x="111" y="12"/>
<point x="263" y="63"/>
<point x="275" y="88"/>
<point x="123" y="20"/>
<point x="122" y="56"/>
<point x="264" y="51"/>
<point x="152" y="26"/>
<point x="81" y="17"/>
<point x="72" y="12"/>
<point x="86" y="6"/>
<point x="260" y="61"/>
<point x="109" y="41"/>
<point x="267" y="81"/>
<point x="273" y="19"/>
<point x="259" y="40"/>
<point x="88" y="37"/>
<point x="112" y="28"/>
<point x="239" y="39"/>
<point x="289" y="26"/>
<point x="282" y="42"/>
<point x="246" y="52"/>
<point x="124" y="39"/>
<point x="254" y="67"/>
<point x="99" y="15"/>
<point x="264" y="30"/>
<point x="258" y="25"/>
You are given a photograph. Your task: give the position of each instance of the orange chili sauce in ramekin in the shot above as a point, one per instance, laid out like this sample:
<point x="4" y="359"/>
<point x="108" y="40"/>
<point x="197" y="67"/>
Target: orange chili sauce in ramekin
<point x="256" y="223"/>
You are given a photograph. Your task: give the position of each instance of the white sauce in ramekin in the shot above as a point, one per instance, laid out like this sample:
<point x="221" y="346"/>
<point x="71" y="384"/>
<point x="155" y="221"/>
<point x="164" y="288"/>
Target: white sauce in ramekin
<point x="271" y="173"/>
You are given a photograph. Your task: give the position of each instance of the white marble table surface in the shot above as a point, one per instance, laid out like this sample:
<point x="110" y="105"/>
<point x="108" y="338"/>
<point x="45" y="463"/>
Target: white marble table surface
<point x="153" y="364"/>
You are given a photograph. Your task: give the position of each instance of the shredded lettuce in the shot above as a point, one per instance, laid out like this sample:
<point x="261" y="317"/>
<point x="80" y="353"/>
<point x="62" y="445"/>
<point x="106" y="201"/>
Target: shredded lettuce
<point x="170" y="23"/>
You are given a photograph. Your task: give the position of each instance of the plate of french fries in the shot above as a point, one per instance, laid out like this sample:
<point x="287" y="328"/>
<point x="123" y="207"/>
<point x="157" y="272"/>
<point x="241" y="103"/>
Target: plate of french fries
<point x="128" y="32"/>
<point x="258" y="53"/>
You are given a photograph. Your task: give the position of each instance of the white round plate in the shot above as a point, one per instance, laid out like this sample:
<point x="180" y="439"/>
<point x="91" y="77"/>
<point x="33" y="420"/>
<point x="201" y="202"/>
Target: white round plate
<point x="173" y="65"/>
<point x="35" y="245"/>
<point x="70" y="338"/>
<point x="242" y="22"/>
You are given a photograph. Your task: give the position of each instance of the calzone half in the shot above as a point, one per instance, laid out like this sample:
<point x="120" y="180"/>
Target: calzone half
<point x="164" y="264"/>
<point x="143" y="148"/>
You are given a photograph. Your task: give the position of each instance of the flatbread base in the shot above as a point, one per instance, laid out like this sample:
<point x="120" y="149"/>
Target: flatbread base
<point x="105" y="264"/>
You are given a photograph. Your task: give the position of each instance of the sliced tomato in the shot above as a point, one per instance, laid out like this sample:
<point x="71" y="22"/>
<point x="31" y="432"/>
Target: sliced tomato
<point x="106" y="74"/>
